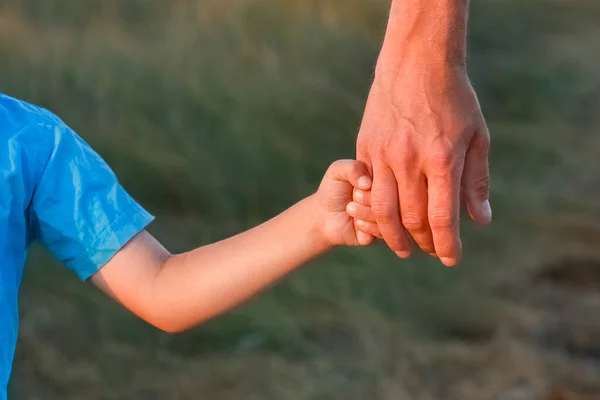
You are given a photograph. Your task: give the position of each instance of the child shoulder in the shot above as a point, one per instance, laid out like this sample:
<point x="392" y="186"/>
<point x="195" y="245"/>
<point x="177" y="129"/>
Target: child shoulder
<point x="19" y="116"/>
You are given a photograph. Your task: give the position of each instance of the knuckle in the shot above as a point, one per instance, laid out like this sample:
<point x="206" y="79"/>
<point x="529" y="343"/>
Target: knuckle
<point x="368" y="142"/>
<point x="393" y="150"/>
<point x="356" y="168"/>
<point x="414" y="221"/>
<point x="378" y="152"/>
<point x="382" y="210"/>
<point x="338" y="164"/>
<point x="332" y="167"/>
<point x="442" y="158"/>
<point x="405" y="159"/>
<point x="480" y="186"/>
<point x="441" y="221"/>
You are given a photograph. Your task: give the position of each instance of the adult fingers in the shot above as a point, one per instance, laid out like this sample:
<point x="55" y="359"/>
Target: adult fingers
<point x="363" y="154"/>
<point x="412" y="191"/>
<point x="476" y="178"/>
<point x="384" y="203"/>
<point x="444" y="171"/>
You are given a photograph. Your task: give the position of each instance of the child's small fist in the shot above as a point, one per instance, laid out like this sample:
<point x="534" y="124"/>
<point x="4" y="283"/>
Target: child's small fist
<point x="342" y="218"/>
<point x="360" y="210"/>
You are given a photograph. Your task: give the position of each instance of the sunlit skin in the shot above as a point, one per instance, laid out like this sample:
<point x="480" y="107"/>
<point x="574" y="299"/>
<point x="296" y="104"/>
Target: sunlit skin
<point x="177" y="292"/>
<point x="423" y="135"/>
<point x="423" y="143"/>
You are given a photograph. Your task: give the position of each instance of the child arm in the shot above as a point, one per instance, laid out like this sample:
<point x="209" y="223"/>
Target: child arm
<point x="176" y="292"/>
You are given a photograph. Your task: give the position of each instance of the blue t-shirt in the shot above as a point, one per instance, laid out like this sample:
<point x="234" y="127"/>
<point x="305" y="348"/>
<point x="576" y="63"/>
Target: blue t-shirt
<point x="56" y="190"/>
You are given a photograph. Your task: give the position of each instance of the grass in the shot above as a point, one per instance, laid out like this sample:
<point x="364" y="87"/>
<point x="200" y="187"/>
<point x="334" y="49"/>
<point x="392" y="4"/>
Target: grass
<point x="217" y="115"/>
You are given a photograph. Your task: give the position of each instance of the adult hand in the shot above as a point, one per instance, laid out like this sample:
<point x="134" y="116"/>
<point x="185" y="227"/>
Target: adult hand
<point x="425" y="140"/>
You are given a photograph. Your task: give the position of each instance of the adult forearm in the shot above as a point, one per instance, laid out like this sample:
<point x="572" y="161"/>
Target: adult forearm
<point x="426" y="32"/>
<point x="198" y="285"/>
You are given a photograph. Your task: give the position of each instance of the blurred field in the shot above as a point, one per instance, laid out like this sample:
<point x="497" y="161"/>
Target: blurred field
<point x="218" y="114"/>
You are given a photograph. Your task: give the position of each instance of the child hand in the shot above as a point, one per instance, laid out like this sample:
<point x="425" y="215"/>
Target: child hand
<point x="360" y="210"/>
<point x="337" y="212"/>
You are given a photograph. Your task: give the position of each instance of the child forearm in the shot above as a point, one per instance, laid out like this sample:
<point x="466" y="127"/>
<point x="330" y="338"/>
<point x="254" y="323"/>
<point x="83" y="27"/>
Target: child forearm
<point x="196" y="286"/>
<point x="176" y="292"/>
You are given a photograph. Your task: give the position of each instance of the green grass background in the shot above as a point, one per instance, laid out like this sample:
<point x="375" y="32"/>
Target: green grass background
<point x="216" y="115"/>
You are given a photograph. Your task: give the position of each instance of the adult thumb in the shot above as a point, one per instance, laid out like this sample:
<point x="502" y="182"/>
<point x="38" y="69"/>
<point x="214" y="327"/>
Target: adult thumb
<point x="476" y="178"/>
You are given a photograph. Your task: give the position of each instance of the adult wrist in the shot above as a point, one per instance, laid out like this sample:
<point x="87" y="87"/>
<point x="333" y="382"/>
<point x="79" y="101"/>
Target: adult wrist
<point x="419" y="54"/>
<point x="425" y="71"/>
<point x="427" y="33"/>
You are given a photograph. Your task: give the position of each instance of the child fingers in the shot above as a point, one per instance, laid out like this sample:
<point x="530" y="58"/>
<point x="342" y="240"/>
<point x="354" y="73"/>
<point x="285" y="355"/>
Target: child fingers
<point x="359" y="211"/>
<point x="362" y="196"/>
<point x="368" y="227"/>
<point x="363" y="238"/>
<point x="351" y="171"/>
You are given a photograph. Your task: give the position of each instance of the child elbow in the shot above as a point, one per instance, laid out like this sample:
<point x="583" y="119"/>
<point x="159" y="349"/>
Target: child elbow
<point x="166" y="320"/>
<point x="170" y="326"/>
<point x="173" y="324"/>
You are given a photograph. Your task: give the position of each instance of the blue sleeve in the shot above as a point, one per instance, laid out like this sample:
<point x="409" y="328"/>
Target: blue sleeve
<point x="80" y="213"/>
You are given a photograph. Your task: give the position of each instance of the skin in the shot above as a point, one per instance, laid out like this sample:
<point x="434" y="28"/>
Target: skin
<point x="423" y="135"/>
<point x="175" y="292"/>
<point x="424" y="142"/>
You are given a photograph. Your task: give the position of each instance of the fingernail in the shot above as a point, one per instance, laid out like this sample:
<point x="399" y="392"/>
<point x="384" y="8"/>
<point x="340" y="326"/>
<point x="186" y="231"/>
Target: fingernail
<point x="358" y="195"/>
<point x="486" y="211"/>
<point x="361" y="223"/>
<point x="433" y="255"/>
<point x="403" y="254"/>
<point x="448" y="262"/>
<point x="351" y="209"/>
<point x="364" y="182"/>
